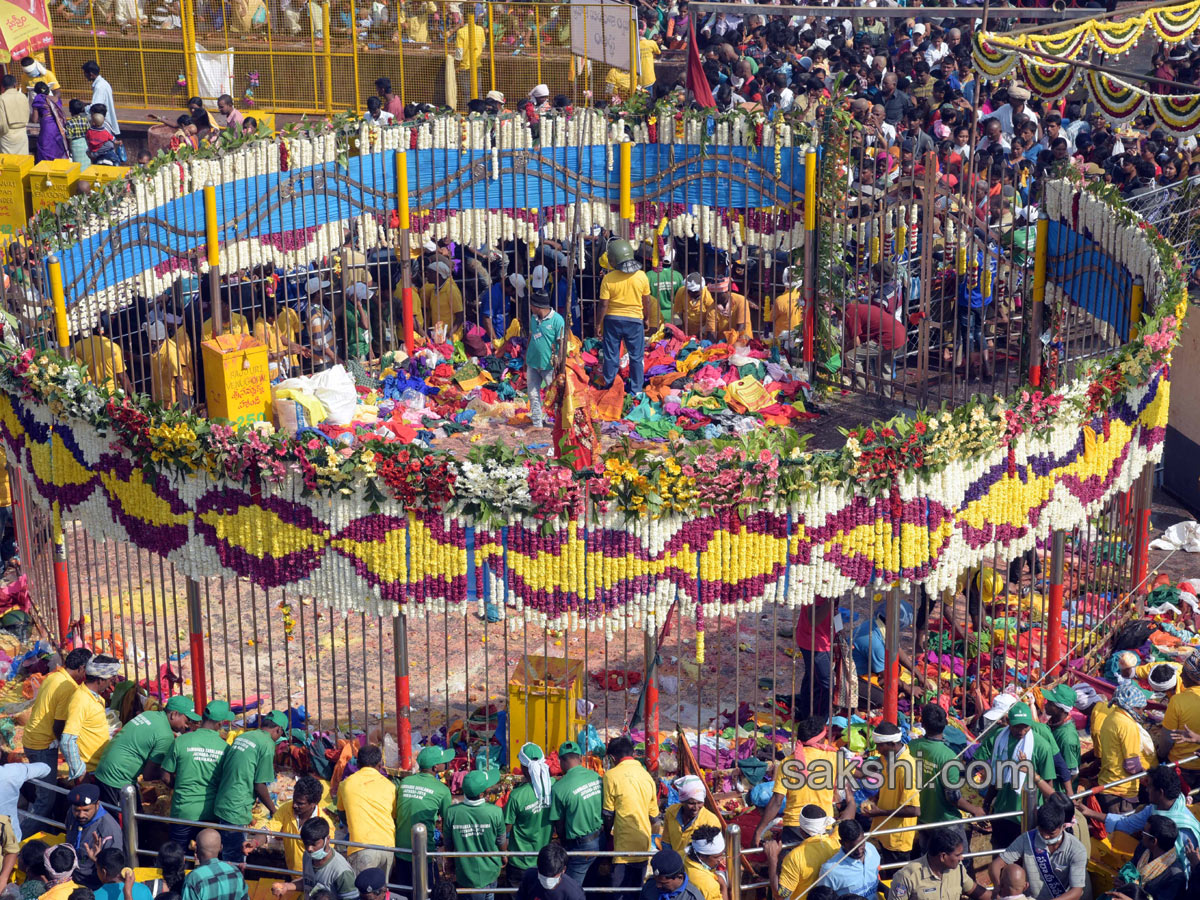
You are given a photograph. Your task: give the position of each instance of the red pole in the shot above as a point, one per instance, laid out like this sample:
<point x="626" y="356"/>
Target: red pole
<point x="406" y="294"/>
<point x="407" y="301"/>
<point x="1141" y="535"/>
<point x="62" y="584"/>
<point x="891" y="676"/>
<point x="1054" y="627"/>
<point x="196" y="643"/>
<point x="652" y="737"/>
<point x="403" y="698"/>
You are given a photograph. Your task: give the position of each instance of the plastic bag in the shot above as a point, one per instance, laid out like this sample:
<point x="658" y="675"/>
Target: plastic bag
<point x="335" y="389"/>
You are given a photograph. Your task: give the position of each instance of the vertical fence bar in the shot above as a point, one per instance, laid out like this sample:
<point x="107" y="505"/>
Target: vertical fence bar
<point x="214" y="258"/>
<point x="1136" y="299"/>
<point x="1142" y="493"/>
<point x="472" y="58"/>
<point x="1037" y="311"/>
<point x="626" y="158"/>
<point x="1054" y="627"/>
<point x="196" y="645"/>
<point x="129" y="809"/>
<point x="891" y="678"/>
<point x="810" y="260"/>
<point x="733" y="864"/>
<point x="403" y="699"/>
<point x="420" y="864"/>
<point x="62" y="584"/>
<point x="406" y="293"/>
<point x="327" y="53"/>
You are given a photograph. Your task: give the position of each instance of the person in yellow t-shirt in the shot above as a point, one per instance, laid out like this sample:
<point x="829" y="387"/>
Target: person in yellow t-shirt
<point x="8" y="531"/>
<point x="703" y="859"/>
<point x="733" y="311"/>
<point x="445" y="303"/>
<point x="899" y="800"/>
<point x="103" y="358"/>
<point x="802" y="866"/>
<point x="275" y="335"/>
<point x="624" y="303"/>
<point x="629" y="809"/>
<point x="469" y="43"/>
<point x="1183" y="716"/>
<point x="231" y="322"/>
<point x="681" y="820"/>
<point x="47" y="718"/>
<point x="815" y="762"/>
<point x="620" y="80"/>
<point x="1161" y="676"/>
<point x="1126" y="749"/>
<point x="368" y="799"/>
<point x="787" y="309"/>
<point x="172" y="380"/>
<point x="694" y="309"/>
<point x="308" y="801"/>
<point x="85" y="733"/>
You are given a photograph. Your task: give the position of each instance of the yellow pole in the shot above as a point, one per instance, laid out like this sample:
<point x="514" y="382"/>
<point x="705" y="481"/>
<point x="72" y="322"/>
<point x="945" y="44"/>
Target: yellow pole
<point x="406" y="295"/>
<point x="491" y="46"/>
<point x="810" y="190"/>
<point x="59" y="299"/>
<point x="626" y="154"/>
<point x="537" y="40"/>
<point x="1135" y="307"/>
<point x="811" y="201"/>
<point x="187" y="15"/>
<point x="633" y="58"/>
<point x="327" y="52"/>
<point x="211" y="243"/>
<point x="354" y="55"/>
<point x="472" y="59"/>
<point x="1036" y="314"/>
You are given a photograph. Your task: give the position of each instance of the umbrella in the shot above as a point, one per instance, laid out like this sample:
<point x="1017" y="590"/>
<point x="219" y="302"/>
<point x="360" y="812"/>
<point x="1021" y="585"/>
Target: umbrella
<point x="24" y="29"/>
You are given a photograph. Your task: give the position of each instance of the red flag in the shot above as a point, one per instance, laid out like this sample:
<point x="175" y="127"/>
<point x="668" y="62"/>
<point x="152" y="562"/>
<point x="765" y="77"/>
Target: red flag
<point x="697" y="82"/>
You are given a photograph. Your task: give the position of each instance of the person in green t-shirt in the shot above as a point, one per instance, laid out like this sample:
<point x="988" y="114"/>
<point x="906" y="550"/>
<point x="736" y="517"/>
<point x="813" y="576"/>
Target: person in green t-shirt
<point x="247" y="771"/>
<point x="527" y="813"/>
<point x="1060" y="701"/>
<point x="576" y="810"/>
<point x="942" y="773"/>
<point x="145" y="740"/>
<point x="476" y="826"/>
<point x="423" y="799"/>
<point x="1017" y="742"/>
<point x="546" y="329"/>
<point x="191" y="769"/>
<point x="663" y="284"/>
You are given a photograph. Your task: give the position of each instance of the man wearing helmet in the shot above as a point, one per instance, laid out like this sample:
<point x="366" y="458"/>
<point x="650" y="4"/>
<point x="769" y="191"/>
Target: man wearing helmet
<point x="624" y="302"/>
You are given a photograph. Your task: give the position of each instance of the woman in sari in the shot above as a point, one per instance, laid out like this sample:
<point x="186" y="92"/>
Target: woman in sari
<point x="47" y="112"/>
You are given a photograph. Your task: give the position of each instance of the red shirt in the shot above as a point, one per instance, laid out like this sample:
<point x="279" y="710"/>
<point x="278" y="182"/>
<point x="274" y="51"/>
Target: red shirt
<point x="818" y="639"/>
<point x="868" y="322"/>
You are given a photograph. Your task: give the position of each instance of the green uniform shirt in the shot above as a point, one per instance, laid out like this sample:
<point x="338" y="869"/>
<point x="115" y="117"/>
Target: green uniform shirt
<point x="423" y="798"/>
<point x="145" y="737"/>
<point x="934" y="757"/>
<point x="1042" y="730"/>
<point x="544" y="335"/>
<point x="1007" y="798"/>
<point x="530" y="821"/>
<point x="663" y="285"/>
<point x="576" y="800"/>
<point x="250" y="760"/>
<point x="476" y="828"/>
<point x="194" y="759"/>
<point x="1067" y="737"/>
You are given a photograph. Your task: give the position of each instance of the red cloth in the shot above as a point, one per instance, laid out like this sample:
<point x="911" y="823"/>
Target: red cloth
<point x="820" y="638"/>
<point x="697" y="83"/>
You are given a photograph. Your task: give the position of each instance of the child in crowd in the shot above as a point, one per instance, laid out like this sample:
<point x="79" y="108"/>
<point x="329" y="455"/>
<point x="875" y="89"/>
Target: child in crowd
<point x="101" y="143"/>
<point x="545" y="334"/>
<point x="77" y="128"/>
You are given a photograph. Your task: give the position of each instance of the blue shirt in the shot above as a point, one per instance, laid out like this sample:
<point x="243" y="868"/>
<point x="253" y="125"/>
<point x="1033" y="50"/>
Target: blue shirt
<point x="495" y="306"/>
<point x="1135" y="822"/>
<point x="970" y="286"/>
<point x="852" y="876"/>
<point x="12" y="776"/>
<point x="116" y="891"/>
<point x="869" y="642"/>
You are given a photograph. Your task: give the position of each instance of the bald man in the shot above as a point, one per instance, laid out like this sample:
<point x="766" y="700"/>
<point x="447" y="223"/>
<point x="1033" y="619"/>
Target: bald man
<point x="213" y="879"/>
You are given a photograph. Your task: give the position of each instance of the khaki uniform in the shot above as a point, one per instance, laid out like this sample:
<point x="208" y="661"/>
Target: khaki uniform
<point x="916" y="881"/>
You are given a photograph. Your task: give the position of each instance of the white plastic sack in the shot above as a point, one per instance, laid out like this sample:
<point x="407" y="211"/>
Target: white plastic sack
<point x="335" y="389"/>
<point x="214" y="71"/>
<point x="1183" y="536"/>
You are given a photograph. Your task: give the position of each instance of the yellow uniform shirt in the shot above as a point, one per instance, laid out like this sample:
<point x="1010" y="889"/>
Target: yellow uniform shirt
<point x="702" y="877"/>
<point x="629" y="794"/>
<point x="445" y="303"/>
<point x="1184" y="709"/>
<point x="284" y="822"/>
<point x="1143" y="671"/>
<point x="818" y="793"/>
<point x="103" y="359"/>
<point x="47" y="78"/>
<point x="1121" y="738"/>
<point x="415" y="17"/>
<point x="269" y="334"/>
<point x="624" y="293"/>
<point x="466" y="45"/>
<point x="237" y="324"/>
<point x="86" y="720"/>
<point x="5" y="487"/>
<point x="736" y="318"/>
<point x="697" y="315"/>
<point x="53" y="702"/>
<point x="60" y="891"/>
<point x="787" y="313"/>
<point x="368" y="798"/>
<point x="802" y="866"/>
<point x="619" y="78"/>
<point x="900" y="789"/>
<point x="167" y="365"/>
<point x="679" y="837"/>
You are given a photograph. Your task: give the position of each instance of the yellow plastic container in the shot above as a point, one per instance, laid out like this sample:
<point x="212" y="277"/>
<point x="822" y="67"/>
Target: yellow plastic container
<point x="52" y="182"/>
<point x="99" y="175"/>
<point x="236" y="380"/>
<point x="14" y="192"/>
<point x="542" y="697"/>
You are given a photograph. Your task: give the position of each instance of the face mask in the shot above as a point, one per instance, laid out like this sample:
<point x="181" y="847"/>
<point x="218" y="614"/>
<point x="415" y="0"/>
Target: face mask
<point x="549" y="883"/>
<point x="738" y="82"/>
<point x="318" y="855"/>
<point x="1053" y="842"/>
